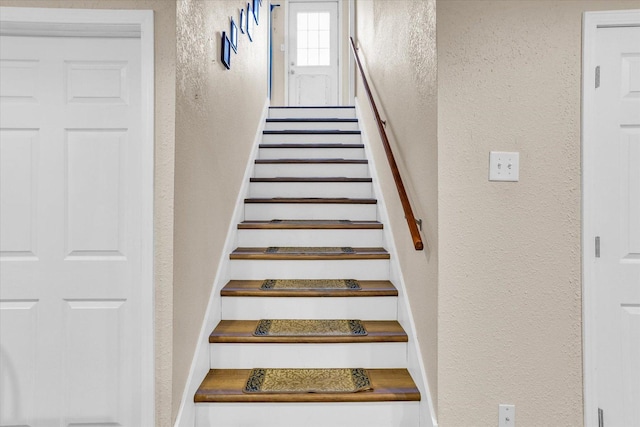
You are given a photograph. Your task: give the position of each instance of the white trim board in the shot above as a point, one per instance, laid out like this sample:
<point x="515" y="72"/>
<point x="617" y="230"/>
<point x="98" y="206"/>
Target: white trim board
<point x="115" y="23"/>
<point x="591" y="22"/>
<point x="200" y="363"/>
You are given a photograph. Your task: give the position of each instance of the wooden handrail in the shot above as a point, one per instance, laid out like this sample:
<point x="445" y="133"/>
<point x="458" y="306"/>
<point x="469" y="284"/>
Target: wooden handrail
<point x="404" y="199"/>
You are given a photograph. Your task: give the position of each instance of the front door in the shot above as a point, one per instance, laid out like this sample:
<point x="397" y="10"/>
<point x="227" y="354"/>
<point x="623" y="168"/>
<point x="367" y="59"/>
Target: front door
<point x="313" y="53"/>
<point x="614" y="206"/>
<point x="70" y="237"/>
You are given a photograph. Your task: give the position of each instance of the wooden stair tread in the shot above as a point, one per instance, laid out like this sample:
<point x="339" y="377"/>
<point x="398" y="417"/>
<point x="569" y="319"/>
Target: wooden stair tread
<point x="310" y="145"/>
<point x="251" y="288"/>
<point x="312" y="120"/>
<point x="309" y="224"/>
<point x="310" y="179"/>
<point x="302" y="107"/>
<point x="226" y="385"/>
<point x="319" y="200"/>
<point x="241" y="331"/>
<point x="311" y="132"/>
<point x="311" y="161"/>
<point x="261" y="253"/>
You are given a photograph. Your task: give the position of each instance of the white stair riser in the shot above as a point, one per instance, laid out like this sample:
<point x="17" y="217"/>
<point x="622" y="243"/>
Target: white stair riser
<point x="307" y="113"/>
<point x="311" y="138"/>
<point x="294" y="125"/>
<point x="361" y="269"/>
<point x="311" y="153"/>
<point x="275" y="237"/>
<point x="361" y="190"/>
<point x="304" y="170"/>
<point x="337" y="355"/>
<point x="316" y="414"/>
<point x="255" y="308"/>
<point x="269" y="211"/>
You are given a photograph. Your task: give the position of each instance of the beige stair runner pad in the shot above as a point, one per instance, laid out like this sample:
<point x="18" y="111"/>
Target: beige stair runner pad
<point x="307" y="381"/>
<point x="346" y="284"/>
<point x="304" y="327"/>
<point x="308" y="250"/>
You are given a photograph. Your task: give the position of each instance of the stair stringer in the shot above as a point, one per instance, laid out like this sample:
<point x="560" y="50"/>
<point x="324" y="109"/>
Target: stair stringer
<point x="200" y="362"/>
<point x="415" y="364"/>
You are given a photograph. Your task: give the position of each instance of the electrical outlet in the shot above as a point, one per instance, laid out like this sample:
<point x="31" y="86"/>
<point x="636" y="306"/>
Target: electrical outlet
<point x="504" y="166"/>
<point x="506" y="415"/>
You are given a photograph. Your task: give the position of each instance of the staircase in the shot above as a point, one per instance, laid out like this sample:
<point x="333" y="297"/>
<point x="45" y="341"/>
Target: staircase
<point x="310" y="215"/>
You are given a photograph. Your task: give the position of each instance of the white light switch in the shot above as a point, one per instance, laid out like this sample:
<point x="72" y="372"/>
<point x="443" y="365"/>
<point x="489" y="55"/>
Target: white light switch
<point x="282" y="47"/>
<point x="504" y="166"/>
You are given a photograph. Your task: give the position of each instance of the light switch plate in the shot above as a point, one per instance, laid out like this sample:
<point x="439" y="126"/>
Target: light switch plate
<point x="504" y="166"/>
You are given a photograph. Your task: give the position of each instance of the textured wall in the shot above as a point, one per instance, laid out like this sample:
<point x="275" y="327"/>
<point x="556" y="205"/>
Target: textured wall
<point x="165" y="58"/>
<point x="217" y="113"/>
<point x="510" y="329"/>
<point x="397" y="42"/>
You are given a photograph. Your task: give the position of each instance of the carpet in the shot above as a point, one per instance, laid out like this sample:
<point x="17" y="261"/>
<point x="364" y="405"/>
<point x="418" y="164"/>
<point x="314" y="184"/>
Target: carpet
<point x="310" y="284"/>
<point x="298" y="327"/>
<point x="307" y="381"/>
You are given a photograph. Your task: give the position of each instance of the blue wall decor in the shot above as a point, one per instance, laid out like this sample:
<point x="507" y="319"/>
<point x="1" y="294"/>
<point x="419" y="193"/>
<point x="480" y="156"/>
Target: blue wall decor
<point x="249" y="22"/>
<point x="226" y="50"/>
<point x="256" y="11"/>
<point x="234" y="36"/>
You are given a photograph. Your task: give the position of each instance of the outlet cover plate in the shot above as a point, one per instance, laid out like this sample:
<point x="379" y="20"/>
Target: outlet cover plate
<point x="504" y="166"/>
<point x="506" y="416"/>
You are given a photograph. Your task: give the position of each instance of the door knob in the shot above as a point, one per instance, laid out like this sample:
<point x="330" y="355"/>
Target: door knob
<point x="292" y="72"/>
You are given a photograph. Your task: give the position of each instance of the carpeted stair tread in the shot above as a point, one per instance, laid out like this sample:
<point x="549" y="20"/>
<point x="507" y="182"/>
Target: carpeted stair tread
<point x="253" y="288"/>
<point x="309" y="327"/>
<point x="306" y="253"/>
<point x="308" y="380"/>
<point x="310" y="284"/>
<point x="242" y="331"/>
<point x="227" y="385"/>
<point x="310" y="224"/>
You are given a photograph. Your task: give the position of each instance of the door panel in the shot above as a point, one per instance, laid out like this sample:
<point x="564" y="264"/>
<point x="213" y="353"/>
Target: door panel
<point x="18" y="185"/>
<point x="71" y="231"/>
<point x="617" y="213"/>
<point x="313" y="53"/>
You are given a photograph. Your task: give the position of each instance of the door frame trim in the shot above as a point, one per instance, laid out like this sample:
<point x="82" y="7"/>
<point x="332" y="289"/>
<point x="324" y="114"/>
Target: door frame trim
<point x="116" y="23"/>
<point x="591" y="22"/>
<point x="340" y="49"/>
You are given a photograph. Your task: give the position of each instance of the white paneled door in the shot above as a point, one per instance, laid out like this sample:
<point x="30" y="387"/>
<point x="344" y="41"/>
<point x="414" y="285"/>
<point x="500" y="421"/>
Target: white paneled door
<point x="313" y="53"/>
<point x="70" y="237"/>
<point x="613" y="203"/>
